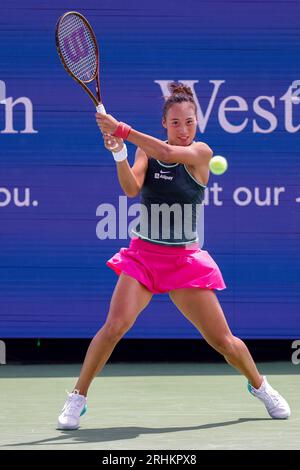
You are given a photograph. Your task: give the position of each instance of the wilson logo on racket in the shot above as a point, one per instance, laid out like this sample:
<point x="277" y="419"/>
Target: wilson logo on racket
<point x="76" y="45"/>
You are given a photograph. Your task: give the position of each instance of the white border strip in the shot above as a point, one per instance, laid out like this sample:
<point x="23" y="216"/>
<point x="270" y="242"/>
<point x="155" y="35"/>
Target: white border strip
<point x="164" y="243"/>
<point x="200" y="184"/>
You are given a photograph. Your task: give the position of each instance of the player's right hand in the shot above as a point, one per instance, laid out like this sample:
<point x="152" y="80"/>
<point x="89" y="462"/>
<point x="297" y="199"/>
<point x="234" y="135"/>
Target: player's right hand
<point x="113" y="144"/>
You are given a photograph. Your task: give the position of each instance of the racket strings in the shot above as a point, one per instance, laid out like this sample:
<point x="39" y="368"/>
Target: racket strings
<point x="78" y="48"/>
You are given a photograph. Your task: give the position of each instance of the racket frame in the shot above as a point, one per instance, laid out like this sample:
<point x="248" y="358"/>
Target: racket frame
<point x="96" y="76"/>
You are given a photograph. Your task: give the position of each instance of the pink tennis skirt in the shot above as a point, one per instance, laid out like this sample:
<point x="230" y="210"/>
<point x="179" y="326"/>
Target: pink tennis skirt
<point x="163" y="268"/>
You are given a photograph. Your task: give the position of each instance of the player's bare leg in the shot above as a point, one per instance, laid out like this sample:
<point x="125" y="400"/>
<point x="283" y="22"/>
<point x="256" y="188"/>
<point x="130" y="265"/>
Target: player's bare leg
<point x="128" y="300"/>
<point x="202" y="308"/>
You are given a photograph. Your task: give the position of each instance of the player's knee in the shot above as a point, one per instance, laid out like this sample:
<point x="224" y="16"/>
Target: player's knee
<point x="226" y="345"/>
<point x="115" y="330"/>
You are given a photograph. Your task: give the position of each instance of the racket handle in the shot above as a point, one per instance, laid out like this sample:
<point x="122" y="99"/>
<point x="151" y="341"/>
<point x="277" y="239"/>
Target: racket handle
<point x="100" y="109"/>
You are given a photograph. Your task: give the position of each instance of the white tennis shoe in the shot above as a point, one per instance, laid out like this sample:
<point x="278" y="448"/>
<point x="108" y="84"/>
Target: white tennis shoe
<point x="74" y="407"/>
<point x="276" y="405"/>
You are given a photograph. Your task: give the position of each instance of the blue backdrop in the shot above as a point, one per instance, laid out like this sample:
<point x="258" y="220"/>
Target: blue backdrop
<point x="242" y="59"/>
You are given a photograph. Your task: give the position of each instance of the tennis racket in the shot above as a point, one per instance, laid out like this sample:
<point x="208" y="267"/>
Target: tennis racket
<point x="78" y="50"/>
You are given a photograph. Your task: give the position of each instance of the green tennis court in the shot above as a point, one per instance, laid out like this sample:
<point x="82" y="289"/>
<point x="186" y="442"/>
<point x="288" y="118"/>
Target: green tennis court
<point x="148" y="406"/>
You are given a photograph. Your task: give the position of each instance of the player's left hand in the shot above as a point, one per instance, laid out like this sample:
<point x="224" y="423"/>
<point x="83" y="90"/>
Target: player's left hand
<point x="113" y="144"/>
<point x="107" y="123"/>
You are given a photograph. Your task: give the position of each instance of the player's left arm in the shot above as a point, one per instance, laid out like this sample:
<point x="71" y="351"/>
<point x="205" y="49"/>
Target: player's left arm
<point x="158" y="149"/>
<point x="194" y="154"/>
<point x="190" y="155"/>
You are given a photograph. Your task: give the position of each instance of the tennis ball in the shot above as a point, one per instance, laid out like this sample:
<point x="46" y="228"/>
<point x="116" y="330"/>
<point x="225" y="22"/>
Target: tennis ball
<point x="218" y="165"/>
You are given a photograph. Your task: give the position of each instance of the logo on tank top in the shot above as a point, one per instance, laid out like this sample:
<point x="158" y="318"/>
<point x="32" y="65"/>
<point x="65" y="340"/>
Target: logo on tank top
<point x="161" y="175"/>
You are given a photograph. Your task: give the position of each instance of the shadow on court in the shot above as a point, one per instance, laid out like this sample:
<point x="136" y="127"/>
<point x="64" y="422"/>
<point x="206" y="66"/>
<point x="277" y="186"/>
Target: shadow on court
<point x="88" y="436"/>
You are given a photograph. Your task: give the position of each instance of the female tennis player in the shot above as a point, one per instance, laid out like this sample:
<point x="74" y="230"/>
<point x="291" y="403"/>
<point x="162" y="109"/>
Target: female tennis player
<point x="159" y="260"/>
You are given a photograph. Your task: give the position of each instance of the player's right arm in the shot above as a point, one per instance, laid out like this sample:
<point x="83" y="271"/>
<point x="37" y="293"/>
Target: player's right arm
<point x="131" y="179"/>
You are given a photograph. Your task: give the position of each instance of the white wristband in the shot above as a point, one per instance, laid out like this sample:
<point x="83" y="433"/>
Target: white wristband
<point x="122" y="155"/>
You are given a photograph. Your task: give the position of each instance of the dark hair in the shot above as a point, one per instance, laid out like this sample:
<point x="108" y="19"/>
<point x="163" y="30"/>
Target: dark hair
<point x="179" y="94"/>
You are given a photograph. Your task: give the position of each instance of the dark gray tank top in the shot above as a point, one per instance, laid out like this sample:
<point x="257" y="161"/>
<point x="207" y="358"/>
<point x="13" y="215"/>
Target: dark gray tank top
<point x="171" y="201"/>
